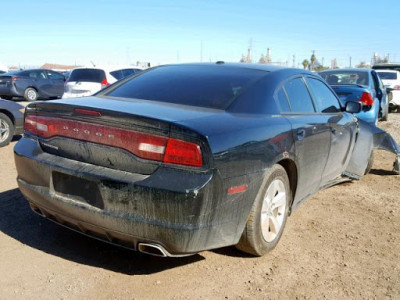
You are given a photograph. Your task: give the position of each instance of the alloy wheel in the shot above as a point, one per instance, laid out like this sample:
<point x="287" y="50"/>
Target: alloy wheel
<point x="273" y="210"/>
<point x="4" y="130"/>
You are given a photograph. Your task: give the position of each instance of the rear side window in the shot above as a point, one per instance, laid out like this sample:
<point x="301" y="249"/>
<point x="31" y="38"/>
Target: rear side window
<point x="36" y="75"/>
<point x="204" y="86"/>
<point x="324" y="98"/>
<point x="54" y="75"/>
<point x="283" y="100"/>
<point x="299" y="97"/>
<point x="117" y="74"/>
<point x="87" y="75"/>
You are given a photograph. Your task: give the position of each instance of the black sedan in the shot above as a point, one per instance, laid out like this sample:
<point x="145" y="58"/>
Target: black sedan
<point x="32" y="84"/>
<point x="11" y="121"/>
<point x="184" y="158"/>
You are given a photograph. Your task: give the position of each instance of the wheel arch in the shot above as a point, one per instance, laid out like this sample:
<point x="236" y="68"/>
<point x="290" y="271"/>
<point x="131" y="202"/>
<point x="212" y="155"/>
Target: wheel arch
<point x="32" y="87"/>
<point x="291" y="170"/>
<point x="8" y="114"/>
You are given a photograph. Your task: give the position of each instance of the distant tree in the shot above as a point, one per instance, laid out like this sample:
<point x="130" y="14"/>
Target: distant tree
<point x="313" y="59"/>
<point x="363" y="64"/>
<point x="305" y="63"/>
<point x="243" y="59"/>
<point x="320" y="68"/>
<point x="262" y="59"/>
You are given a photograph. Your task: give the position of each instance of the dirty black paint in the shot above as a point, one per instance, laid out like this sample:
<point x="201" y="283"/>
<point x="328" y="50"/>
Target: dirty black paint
<point x="187" y="209"/>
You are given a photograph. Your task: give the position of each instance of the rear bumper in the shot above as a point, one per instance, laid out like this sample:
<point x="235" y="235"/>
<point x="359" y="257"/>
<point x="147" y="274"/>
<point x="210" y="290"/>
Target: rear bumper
<point x="184" y="212"/>
<point x="70" y="95"/>
<point x="9" y="90"/>
<point x="370" y="116"/>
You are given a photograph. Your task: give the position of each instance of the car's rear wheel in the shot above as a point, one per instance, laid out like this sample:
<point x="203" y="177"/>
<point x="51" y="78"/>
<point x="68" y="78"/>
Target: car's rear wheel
<point x="268" y="215"/>
<point x="6" y="130"/>
<point x="30" y="94"/>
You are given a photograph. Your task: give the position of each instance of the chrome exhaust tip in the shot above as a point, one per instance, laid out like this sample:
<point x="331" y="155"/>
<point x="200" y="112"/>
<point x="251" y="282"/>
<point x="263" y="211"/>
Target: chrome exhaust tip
<point x="152" y="249"/>
<point x="158" y="250"/>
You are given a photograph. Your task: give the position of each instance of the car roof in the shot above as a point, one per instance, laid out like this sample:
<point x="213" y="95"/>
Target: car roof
<point x="262" y="67"/>
<point x="347" y="70"/>
<point x="387" y="71"/>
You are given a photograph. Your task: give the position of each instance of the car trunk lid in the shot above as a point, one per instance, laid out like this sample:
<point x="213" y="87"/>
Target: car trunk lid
<point x="96" y="131"/>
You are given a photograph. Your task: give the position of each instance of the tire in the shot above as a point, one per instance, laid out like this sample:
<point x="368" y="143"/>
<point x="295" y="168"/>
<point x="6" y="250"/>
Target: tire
<point x="266" y="221"/>
<point x="30" y="94"/>
<point x="370" y="163"/>
<point x="6" y="130"/>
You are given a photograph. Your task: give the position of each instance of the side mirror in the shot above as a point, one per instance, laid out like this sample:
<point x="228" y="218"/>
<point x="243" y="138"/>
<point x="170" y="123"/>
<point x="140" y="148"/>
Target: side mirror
<point x="353" y="107"/>
<point x="389" y="89"/>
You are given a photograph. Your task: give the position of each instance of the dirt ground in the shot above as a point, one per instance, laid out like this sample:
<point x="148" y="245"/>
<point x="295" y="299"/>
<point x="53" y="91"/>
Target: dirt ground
<point x="343" y="243"/>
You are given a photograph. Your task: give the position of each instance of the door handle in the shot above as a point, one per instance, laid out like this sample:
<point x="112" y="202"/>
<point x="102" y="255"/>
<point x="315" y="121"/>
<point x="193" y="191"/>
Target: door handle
<point x="301" y="133"/>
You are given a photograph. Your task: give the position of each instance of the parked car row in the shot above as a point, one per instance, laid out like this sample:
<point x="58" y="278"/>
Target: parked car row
<point x="87" y="81"/>
<point x="363" y="85"/>
<point x="185" y="158"/>
<point x="389" y="73"/>
<point x="47" y="84"/>
<point x="11" y="121"/>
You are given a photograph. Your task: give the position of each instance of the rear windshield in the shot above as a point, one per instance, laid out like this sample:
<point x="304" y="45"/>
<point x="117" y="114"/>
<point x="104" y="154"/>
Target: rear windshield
<point x="87" y="75"/>
<point x="10" y="73"/>
<point x="346" y="77"/>
<point x="388" y="75"/>
<point x="204" y="86"/>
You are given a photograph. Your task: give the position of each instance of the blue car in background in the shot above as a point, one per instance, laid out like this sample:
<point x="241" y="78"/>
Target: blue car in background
<point x="360" y="85"/>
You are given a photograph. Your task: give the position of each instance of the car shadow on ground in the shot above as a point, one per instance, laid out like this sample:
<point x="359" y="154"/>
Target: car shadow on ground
<point x="382" y="172"/>
<point x="16" y="138"/>
<point x="19" y="222"/>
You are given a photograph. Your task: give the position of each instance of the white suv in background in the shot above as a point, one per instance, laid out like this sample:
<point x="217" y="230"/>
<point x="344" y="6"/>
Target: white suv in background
<point x="391" y="79"/>
<point x="84" y="82"/>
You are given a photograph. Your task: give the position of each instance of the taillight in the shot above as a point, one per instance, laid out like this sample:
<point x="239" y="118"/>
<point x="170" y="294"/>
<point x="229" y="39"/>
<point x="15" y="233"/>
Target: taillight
<point x="13" y="79"/>
<point x="183" y="153"/>
<point x="104" y="83"/>
<point x="366" y="99"/>
<point x="396" y="87"/>
<point x="143" y="145"/>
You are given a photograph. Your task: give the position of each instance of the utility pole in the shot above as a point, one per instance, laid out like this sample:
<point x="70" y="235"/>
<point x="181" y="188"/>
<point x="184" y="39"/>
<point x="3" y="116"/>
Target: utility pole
<point x="322" y="61"/>
<point x="350" y="62"/>
<point x="294" y="60"/>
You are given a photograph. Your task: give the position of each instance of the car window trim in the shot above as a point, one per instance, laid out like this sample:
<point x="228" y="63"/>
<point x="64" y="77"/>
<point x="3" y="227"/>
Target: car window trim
<point x="301" y="76"/>
<point x="313" y="96"/>
<point x="277" y="102"/>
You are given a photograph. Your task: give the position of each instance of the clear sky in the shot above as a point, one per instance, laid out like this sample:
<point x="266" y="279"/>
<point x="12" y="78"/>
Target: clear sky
<point x="121" y="31"/>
